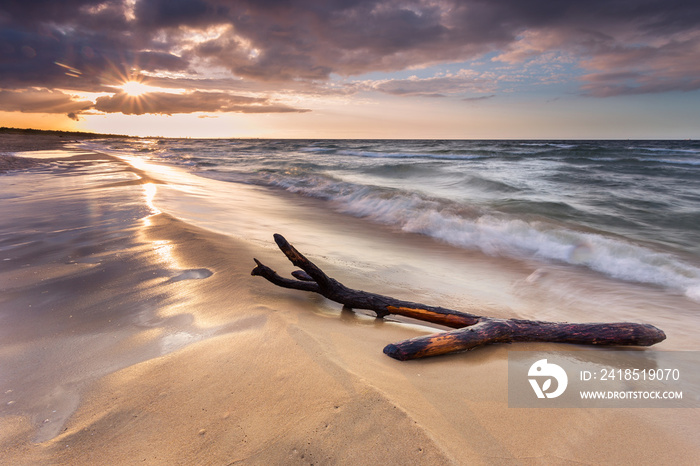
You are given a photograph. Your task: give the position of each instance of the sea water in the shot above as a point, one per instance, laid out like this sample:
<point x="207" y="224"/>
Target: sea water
<point x="629" y="210"/>
<point x="614" y="225"/>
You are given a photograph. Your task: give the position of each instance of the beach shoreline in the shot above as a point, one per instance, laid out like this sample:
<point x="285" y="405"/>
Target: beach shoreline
<point x="131" y="335"/>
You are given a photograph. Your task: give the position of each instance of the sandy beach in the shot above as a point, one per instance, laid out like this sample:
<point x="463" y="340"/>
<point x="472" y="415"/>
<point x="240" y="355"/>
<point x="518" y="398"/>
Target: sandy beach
<point x="128" y="335"/>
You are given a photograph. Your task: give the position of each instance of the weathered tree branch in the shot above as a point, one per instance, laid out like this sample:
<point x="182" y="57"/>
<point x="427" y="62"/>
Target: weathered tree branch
<point x="490" y="331"/>
<point x="336" y="291"/>
<point x="471" y="330"/>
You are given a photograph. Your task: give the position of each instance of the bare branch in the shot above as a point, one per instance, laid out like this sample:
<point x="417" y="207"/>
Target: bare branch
<point x="491" y="331"/>
<point x="471" y="330"/>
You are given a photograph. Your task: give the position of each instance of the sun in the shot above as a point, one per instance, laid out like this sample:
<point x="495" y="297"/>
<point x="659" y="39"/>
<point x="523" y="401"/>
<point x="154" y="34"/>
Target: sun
<point x="135" y="88"/>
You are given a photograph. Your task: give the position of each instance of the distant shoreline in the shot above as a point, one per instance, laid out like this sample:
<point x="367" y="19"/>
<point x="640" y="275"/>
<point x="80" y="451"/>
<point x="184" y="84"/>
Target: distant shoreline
<point x="89" y="135"/>
<point x="14" y="140"/>
<point x="80" y="134"/>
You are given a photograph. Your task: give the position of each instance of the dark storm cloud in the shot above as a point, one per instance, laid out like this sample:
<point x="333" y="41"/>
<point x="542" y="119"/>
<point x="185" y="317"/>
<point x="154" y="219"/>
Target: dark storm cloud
<point x="278" y="42"/>
<point x="624" y="46"/>
<point x="160" y="61"/>
<point x="29" y="58"/>
<point x="273" y="40"/>
<point x="177" y="13"/>
<point x="31" y="13"/>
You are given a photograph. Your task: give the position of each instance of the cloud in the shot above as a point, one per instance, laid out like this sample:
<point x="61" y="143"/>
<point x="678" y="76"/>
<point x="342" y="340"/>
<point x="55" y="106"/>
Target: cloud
<point x="532" y="44"/>
<point x="634" y="69"/>
<point x="190" y="102"/>
<point x="478" y="98"/>
<point x="276" y="41"/>
<point x="272" y="47"/>
<point x="44" y="101"/>
<point x="177" y="13"/>
<point x="160" y="61"/>
<point x="51" y="101"/>
<point x="651" y="52"/>
<point x="439" y="86"/>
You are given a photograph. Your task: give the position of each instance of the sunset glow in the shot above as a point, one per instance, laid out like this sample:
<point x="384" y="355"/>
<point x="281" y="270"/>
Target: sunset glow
<point x="380" y="69"/>
<point x="135" y="88"/>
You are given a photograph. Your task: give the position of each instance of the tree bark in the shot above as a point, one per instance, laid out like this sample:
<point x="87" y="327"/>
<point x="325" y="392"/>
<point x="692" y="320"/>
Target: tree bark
<point x="490" y="331"/>
<point x="470" y="331"/>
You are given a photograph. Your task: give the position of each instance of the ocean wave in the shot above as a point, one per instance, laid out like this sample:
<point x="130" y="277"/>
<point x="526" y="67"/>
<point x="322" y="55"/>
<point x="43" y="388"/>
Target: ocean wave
<point x="550" y="144"/>
<point x="501" y="234"/>
<point x="321" y="150"/>
<point x="508" y="203"/>
<point x="411" y="155"/>
<point x="627" y="160"/>
<point x="695" y="162"/>
<point x="666" y="149"/>
<point x="513" y="237"/>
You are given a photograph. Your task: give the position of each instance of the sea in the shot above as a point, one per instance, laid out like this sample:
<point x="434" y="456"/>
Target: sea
<point x="621" y="212"/>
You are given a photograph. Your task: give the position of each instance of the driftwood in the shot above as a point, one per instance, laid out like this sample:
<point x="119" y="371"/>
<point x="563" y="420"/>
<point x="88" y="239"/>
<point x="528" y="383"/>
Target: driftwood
<point x="470" y="331"/>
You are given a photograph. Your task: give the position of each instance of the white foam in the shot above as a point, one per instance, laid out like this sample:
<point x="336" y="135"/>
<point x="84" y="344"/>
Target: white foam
<point x="503" y="235"/>
<point x="673" y="162"/>
<point x="493" y="233"/>
<point x="408" y="155"/>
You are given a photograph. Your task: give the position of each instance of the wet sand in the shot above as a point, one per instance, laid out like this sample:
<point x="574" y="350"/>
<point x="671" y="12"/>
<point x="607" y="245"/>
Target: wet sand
<point x="130" y="336"/>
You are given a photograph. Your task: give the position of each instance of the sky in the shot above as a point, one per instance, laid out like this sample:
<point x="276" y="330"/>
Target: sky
<point x="464" y="69"/>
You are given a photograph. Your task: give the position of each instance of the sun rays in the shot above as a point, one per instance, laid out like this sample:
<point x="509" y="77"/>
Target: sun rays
<point x="136" y="88"/>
